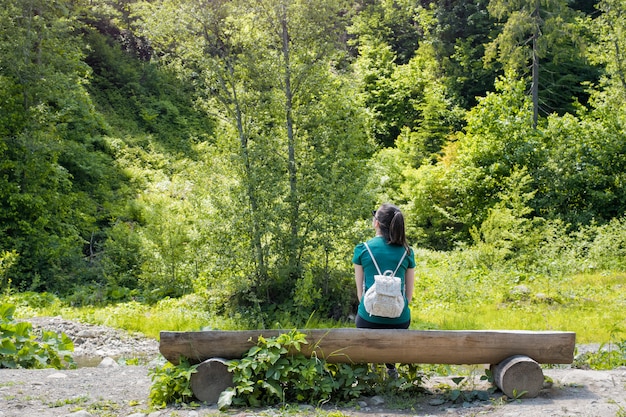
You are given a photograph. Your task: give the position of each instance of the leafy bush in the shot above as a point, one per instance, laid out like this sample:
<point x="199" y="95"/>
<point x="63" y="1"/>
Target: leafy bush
<point x="276" y="371"/>
<point x="20" y="348"/>
<point x="608" y="249"/>
<point x="171" y="384"/>
<point x="608" y="356"/>
<point x="7" y="260"/>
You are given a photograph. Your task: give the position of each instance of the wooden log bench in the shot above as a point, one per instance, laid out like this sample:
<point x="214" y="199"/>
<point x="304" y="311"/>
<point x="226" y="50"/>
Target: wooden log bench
<point x="515" y="356"/>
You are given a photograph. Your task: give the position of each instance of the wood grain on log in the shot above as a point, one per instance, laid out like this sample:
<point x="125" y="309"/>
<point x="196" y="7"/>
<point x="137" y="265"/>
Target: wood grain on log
<point x="350" y="345"/>
<point x="211" y="378"/>
<point x="518" y="376"/>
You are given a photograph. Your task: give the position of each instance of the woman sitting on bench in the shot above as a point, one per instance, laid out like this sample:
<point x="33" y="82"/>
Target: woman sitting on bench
<point x="387" y="251"/>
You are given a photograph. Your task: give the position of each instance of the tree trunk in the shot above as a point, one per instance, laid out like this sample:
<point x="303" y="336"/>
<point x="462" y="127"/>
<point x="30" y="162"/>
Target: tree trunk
<point x="535" y="67"/>
<point x="251" y="193"/>
<point x="291" y="145"/>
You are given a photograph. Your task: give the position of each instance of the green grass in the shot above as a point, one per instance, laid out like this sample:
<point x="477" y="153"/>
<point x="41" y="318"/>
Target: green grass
<point x="592" y="305"/>
<point x="184" y="314"/>
<point x="590" y="326"/>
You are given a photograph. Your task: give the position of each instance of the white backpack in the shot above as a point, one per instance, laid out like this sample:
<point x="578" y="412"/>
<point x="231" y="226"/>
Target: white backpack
<point x="386" y="297"/>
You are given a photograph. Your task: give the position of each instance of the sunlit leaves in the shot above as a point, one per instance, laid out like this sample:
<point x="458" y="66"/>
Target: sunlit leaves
<point x="171" y="384"/>
<point x="20" y="346"/>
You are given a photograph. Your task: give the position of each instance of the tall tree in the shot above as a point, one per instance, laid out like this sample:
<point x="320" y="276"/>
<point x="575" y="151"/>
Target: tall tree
<point x="267" y="70"/>
<point x="204" y="44"/>
<point x="532" y="31"/>
<point x="460" y="30"/>
<point x="387" y="35"/>
<point x="610" y="48"/>
<point x="303" y="39"/>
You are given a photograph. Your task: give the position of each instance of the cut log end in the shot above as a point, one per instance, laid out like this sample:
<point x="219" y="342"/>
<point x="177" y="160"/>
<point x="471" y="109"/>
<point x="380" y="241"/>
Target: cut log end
<point x="518" y="376"/>
<point x="211" y="378"/>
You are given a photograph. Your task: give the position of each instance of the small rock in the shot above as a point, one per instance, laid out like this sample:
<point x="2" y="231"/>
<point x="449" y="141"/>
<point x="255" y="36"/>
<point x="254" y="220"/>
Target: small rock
<point x="520" y="290"/>
<point x="137" y="415"/>
<point x="87" y="333"/>
<point x="81" y="413"/>
<point x="108" y="363"/>
<point x="377" y="400"/>
<point x="436" y="401"/>
<point x="57" y="375"/>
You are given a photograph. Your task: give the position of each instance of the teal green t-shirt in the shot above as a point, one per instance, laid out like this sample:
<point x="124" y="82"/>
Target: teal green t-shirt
<point x="387" y="256"/>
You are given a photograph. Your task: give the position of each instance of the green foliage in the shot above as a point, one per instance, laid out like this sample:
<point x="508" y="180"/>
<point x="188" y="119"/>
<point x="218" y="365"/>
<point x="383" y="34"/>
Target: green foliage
<point x="7" y="260"/>
<point x="451" y="197"/>
<point x="464" y="390"/>
<point x="581" y="150"/>
<point x="406" y="97"/>
<point x="55" y="166"/>
<point x="276" y="371"/>
<point x="549" y="35"/>
<point x="456" y="195"/>
<point x="607" y="249"/>
<point x="462" y="30"/>
<point x="281" y="157"/>
<point x="609" y="355"/>
<point x="21" y="348"/>
<point x="171" y="384"/>
<point x="141" y="160"/>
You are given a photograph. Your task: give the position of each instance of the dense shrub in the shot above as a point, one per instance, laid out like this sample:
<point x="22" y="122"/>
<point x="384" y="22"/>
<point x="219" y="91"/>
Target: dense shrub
<point x="20" y="347"/>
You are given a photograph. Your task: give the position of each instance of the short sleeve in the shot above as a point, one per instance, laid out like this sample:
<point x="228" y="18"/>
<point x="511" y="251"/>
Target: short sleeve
<point x="411" y="259"/>
<point x="358" y="251"/>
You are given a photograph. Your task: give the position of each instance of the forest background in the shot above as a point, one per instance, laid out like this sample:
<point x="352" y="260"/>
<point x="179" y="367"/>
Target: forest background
<point x="225" y="156"/>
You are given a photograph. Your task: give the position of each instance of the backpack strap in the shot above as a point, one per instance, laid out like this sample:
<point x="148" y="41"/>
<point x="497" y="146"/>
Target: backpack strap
<point x="374" y="259"/>
<point x="400" y="263"/>
<point x="376" y="264"/>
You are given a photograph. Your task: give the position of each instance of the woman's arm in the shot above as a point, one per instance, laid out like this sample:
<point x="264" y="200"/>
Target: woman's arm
<point x="358" y="277"/>
<point x="409" y="283"/>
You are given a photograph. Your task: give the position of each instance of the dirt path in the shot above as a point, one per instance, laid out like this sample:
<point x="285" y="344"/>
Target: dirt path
<point x="120" y="390"/>
<point x="123" y="391"/>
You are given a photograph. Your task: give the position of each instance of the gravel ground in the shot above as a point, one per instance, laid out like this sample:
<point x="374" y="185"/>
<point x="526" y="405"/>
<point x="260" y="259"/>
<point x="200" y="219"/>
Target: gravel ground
<point x="103" y="387"/>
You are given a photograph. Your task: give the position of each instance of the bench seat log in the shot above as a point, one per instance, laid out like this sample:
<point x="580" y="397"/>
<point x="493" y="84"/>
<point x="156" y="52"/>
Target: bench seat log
<point x="350" y="345"/>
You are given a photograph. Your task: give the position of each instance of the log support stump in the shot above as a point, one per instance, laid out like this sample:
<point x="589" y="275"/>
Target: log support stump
<point x="518" y="376"/>
<point x="211" y="378"/>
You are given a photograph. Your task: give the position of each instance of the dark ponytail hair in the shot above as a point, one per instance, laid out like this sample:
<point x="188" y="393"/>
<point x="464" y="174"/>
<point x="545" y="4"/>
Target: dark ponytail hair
<point x="391" y="223"/>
